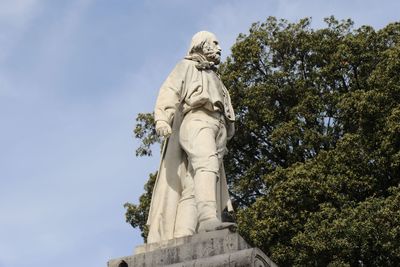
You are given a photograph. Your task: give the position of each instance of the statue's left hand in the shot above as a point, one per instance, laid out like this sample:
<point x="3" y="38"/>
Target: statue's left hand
<point x="163" y="128"/>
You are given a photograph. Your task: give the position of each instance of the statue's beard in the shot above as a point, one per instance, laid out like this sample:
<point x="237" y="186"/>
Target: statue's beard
<point x="212" y="55"/>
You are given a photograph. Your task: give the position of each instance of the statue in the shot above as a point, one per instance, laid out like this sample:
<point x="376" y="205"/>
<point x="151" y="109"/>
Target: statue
<point x="194" y="113"/>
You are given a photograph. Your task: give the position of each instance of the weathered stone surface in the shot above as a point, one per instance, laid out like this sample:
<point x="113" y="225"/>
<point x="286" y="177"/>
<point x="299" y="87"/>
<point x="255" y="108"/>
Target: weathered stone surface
<point x="217" y="248"/>
<point x="194" y="113"/>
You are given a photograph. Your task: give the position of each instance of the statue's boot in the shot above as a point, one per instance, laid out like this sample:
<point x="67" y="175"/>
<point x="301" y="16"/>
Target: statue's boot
<point x="186" y="218"/>
<point x="186" y="214"/>
<point x="210" y="222"/>
<point x="205" y="195"/>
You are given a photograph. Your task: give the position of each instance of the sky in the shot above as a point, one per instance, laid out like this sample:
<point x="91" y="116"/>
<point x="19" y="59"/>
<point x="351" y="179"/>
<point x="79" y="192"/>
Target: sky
<point x="73" y="76"/>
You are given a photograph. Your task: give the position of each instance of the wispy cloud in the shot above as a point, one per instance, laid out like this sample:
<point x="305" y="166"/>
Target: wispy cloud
<point x="14" y="19"/>
<point x="15" y="10"/>
<point x="37" y="47"/>
<point x="59" y="40"/>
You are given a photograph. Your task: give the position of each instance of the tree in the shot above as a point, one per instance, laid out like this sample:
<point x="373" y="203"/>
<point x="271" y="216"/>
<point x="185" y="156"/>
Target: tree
<point x="314" y="167"/>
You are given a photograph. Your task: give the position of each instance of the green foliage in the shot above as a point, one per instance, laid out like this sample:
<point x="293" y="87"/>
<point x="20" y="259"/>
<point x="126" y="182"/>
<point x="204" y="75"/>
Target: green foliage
<point x="314" y="166"/>
<point x="317" y="148"/>
<point x="145" y="130"/>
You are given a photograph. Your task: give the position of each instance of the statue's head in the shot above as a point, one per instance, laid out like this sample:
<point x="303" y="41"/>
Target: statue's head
<point x="206" y="43"/>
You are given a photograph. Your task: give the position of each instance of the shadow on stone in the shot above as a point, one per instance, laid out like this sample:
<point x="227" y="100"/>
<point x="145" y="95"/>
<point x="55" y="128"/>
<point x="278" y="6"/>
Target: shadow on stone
<point x="123" y="264"/>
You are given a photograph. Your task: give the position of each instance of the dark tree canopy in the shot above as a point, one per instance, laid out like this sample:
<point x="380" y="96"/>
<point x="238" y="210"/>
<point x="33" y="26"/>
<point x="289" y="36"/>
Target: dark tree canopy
<point x="314" y="166"/>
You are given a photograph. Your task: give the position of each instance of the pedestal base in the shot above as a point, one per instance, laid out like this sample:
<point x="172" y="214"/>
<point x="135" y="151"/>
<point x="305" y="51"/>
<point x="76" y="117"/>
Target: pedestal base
<point x="211" y="249"/>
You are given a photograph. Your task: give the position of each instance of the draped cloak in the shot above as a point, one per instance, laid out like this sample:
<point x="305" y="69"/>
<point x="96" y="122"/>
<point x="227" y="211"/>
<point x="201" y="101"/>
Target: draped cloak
<point x="187" y="87"/>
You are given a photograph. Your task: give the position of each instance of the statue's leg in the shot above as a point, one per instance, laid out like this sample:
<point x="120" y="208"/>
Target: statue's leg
<point x="186" y="216"/>
<point x="199" y="137"/>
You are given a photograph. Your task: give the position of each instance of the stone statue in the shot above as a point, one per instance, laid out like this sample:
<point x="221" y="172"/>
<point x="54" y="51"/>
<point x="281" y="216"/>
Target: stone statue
<point x="194" y="112"/>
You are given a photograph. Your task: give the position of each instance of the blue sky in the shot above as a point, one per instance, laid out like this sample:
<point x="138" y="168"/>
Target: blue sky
<point x="73" y="76"/>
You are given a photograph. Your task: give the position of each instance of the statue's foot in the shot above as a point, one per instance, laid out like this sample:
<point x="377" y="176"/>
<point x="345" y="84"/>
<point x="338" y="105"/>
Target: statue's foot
<point x="215" y="224"/>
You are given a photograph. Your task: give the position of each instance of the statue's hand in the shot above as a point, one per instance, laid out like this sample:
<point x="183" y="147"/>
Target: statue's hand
<point x="163" y="128"/>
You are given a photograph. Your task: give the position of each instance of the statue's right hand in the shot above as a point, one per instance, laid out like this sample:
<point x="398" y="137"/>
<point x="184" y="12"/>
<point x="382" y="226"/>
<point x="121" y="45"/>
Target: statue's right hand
<point x="163" y="128"/>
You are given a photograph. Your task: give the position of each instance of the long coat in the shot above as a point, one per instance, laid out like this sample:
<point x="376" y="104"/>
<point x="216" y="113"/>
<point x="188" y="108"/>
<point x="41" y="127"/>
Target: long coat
<point x="171" y="104"/>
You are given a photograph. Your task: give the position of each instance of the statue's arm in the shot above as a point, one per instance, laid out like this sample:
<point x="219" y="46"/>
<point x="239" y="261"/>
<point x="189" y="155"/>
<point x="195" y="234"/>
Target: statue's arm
<point x="169" y="98"/>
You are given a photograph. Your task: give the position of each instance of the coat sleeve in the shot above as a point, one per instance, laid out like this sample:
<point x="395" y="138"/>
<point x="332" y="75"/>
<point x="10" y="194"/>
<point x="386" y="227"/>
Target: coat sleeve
<point x="170" y="93"/>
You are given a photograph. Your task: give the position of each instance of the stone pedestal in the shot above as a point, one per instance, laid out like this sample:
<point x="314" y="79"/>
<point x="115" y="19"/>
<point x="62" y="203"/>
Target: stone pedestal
<point x="211" y="249"/>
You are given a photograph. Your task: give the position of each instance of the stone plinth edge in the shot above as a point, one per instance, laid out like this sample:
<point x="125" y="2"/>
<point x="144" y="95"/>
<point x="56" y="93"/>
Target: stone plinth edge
<point x="218" y="248"/>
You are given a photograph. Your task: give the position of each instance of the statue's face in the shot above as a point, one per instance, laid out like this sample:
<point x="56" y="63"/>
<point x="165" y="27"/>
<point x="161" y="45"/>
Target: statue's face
<point x="212" y="50"/>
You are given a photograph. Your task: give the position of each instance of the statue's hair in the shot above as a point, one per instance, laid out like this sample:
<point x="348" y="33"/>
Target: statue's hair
<point x="198" y="41"/>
